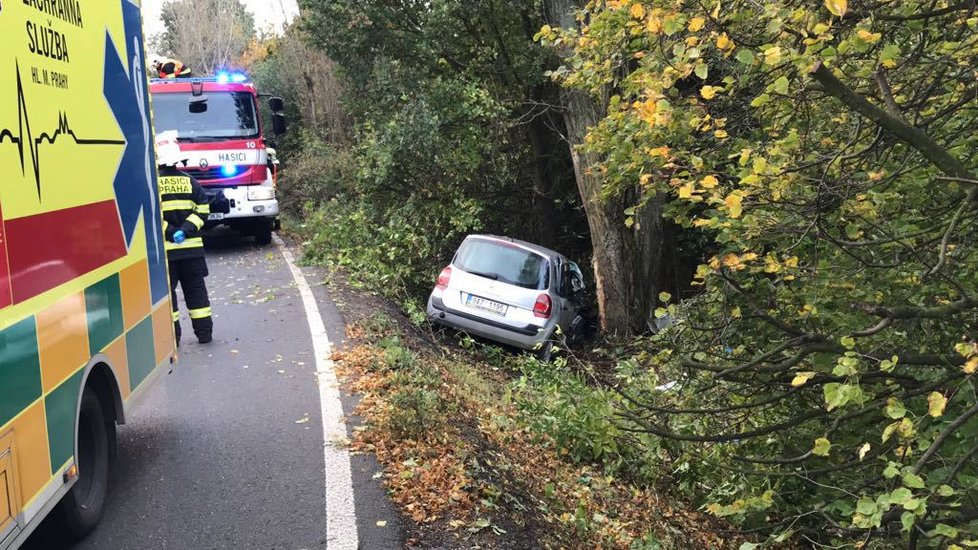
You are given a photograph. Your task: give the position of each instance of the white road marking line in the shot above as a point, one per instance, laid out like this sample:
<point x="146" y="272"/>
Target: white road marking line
<point x="341" y="518"/>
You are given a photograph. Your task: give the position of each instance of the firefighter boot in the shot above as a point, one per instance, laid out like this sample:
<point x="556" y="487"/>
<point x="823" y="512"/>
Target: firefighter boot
<point x="177" y="331"/>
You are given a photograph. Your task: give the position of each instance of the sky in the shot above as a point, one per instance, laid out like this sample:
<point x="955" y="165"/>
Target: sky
<point x="269" y="14"/>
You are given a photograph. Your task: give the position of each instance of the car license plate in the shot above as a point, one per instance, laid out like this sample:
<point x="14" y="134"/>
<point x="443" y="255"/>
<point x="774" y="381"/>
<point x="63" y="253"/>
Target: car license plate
<point x="488" y="305"/>
<point x="216" y="216"/>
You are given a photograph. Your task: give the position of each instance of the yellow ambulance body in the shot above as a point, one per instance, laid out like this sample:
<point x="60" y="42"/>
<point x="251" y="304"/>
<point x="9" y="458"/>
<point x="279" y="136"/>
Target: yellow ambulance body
<point x="85" y="322"/>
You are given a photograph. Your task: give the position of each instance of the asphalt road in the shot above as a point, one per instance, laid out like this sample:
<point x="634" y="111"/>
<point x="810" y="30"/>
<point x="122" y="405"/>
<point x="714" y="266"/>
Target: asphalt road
<point x="227" y="452"/>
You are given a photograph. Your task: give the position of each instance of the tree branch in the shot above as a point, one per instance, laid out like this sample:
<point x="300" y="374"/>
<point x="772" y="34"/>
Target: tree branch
<point x="912" y="136"/>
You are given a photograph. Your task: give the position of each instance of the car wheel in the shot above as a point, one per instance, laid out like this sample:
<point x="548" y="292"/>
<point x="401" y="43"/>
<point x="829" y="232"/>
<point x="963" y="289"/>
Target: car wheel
<point x="81" y="508"/>
<point x="546" y="351"/>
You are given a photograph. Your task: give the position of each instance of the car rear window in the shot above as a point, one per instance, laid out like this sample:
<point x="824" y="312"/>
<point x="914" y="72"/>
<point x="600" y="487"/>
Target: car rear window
<point x="503" y="262"/>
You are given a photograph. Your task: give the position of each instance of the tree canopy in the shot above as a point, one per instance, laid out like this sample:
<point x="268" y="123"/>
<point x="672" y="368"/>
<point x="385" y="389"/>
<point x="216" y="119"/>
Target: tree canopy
<point x="825" y="373"/>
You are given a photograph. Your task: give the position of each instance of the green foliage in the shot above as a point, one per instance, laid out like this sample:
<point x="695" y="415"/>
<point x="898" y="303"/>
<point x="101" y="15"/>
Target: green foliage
<point x="453" y="135"/>
<point x="416" y="406"/>
<point x="317" y="173"/>
<point x="397" y="251"/>
<point x="826" y="370"/>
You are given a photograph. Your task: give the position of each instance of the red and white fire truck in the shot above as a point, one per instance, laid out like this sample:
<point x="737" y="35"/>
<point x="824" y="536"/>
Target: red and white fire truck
<point x="220" y="129"/>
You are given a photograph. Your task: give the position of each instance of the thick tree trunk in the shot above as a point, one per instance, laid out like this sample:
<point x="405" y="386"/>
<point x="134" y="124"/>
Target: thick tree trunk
<point x="626" y="260"/>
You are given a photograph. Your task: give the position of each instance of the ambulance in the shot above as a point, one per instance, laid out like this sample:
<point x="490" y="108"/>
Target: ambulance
<point x="220" y="131"/>
<point x="85" y="315"/>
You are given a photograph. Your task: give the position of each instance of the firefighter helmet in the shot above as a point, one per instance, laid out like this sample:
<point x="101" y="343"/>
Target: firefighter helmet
<point x="168" y="151"/>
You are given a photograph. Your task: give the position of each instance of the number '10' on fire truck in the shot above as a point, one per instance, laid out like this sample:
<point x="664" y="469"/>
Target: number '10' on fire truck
<point x="220" y="130"/>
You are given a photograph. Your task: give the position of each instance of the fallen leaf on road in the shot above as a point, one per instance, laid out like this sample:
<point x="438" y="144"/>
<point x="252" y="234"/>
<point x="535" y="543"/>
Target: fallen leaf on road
<point x="234" y="352"/>
<point x="280" y="371"/>
<point x="302" y="420"/>
<point x="378" y="475"/>
<point x="381" y="524"/>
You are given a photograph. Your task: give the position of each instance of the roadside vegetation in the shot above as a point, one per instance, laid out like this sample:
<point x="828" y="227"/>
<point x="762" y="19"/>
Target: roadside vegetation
<point x="792" y="184"/>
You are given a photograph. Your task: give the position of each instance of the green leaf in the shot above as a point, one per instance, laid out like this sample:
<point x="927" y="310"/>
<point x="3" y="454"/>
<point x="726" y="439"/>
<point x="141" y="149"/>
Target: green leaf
<point x="664" y="297"/>
<point x="891" y="471"/>
<point x="745" y="56"/>
<point x="894" y="409"/>
<point x="702" y="71"/>
<point x="945" y="491"/>
<point x="946" y="531"/>
<point x="822" y="447"/>
<point x="907" y="520"/>
<point x="848" y="341"/>
<point x="866" y="506"/>
<point x="913" y="481"/>
<point x="781" y="85"/>
<point x="900" y="495"/>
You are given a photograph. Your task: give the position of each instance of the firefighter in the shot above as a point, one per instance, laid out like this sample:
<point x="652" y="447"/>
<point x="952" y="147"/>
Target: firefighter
<point x="171" y="68"/>
<point x="185" y="208"/>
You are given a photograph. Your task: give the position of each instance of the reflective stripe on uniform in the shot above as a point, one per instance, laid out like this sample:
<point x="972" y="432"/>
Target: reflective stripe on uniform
<point x="203" y="209"/>
<point x="195" y="242"/>
<point x="196" y="221"/>
<point x="176" y="316"/>
<point x="169" y="206"/>
<point x="201" y="313"/>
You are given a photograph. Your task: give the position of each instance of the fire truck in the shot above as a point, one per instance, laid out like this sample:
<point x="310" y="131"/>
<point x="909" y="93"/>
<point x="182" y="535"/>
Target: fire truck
<point x="219" y="127"/>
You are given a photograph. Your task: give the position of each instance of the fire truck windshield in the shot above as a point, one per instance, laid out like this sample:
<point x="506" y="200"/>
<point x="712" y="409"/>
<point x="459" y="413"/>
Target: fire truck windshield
<point x="229" y="115"/>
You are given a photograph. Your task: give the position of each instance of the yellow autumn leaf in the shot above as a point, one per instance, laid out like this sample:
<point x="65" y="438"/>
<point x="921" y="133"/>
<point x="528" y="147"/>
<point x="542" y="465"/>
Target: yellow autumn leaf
<point x="702" y="222"/>
<point x="869" y="37"/>
<point x="709" y="182"/>
<point x="720" y="134"/>
<point x="660" y="152"/>
<point x="792" y="261"/>
<point x="733" y="203"/>
<point x="801" y="379"/>
<point x="971" y="366"/>
<point x="686" y="191"/>
<point x="637" y="11"/>
<point x="724" y="42"/>
<point x="863" y="450"/>
<point x="838" y="8"/>
<point x="708" y="92"/>
<point x="936" y="403"/>
<point x="772" y="56"/>
<point x="654" y="25"/>
<point x="696" y="24"/>
<point x="731" y="260"/>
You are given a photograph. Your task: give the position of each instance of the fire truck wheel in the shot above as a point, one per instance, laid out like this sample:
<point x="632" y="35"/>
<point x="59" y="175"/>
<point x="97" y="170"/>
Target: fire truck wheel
<point x="263" y="233"/>
<point x="81" y="508"/>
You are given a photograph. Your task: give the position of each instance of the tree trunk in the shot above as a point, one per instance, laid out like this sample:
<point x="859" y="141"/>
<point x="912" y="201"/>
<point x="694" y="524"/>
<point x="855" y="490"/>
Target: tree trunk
<point x="625" y="260"/>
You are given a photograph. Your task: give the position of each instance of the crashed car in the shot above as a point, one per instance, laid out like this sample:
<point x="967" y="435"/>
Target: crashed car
<point x="511" y="292"/>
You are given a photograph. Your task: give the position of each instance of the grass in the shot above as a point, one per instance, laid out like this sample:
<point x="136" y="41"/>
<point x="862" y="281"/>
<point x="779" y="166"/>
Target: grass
<point x="504" y="451"/>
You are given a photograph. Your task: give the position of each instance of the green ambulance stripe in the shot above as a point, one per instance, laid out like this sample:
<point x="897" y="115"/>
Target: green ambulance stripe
<point x="20" y="369"/>
<point x="103" y="302"/>
<point x="61" y="406"/>
<point x="140" y="351"/>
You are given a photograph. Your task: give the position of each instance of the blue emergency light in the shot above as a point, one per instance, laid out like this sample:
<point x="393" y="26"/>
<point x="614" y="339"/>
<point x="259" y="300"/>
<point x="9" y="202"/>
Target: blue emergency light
<point x="229" y="170"/>
<point x="237" y="78"/>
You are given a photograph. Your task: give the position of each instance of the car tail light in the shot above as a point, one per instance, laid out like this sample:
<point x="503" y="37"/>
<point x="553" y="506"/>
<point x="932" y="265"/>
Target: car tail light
<point x="443" y="278"/>
<point x="543" y="306"/>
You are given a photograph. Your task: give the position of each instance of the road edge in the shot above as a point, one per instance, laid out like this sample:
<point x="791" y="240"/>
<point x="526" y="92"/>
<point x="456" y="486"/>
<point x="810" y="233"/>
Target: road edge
<point x="341" y="521"/>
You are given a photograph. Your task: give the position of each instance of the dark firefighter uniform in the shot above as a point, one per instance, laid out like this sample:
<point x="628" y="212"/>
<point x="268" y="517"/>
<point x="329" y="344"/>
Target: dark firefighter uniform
<point x="185" y="208"/>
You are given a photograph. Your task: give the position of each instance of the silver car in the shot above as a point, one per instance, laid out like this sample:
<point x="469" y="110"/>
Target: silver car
<point x="511" y="292"/>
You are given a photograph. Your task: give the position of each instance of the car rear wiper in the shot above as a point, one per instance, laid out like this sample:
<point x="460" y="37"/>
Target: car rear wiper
<point x="493" y="276"/>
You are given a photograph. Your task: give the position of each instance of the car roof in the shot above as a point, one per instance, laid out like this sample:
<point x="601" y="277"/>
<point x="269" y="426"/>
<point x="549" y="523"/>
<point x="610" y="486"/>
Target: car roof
<point x="534" y="247"/>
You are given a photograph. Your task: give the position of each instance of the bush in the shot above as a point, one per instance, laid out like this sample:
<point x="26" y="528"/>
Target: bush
<point x="316" y="174"/>
<point x="397" y="251"/>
